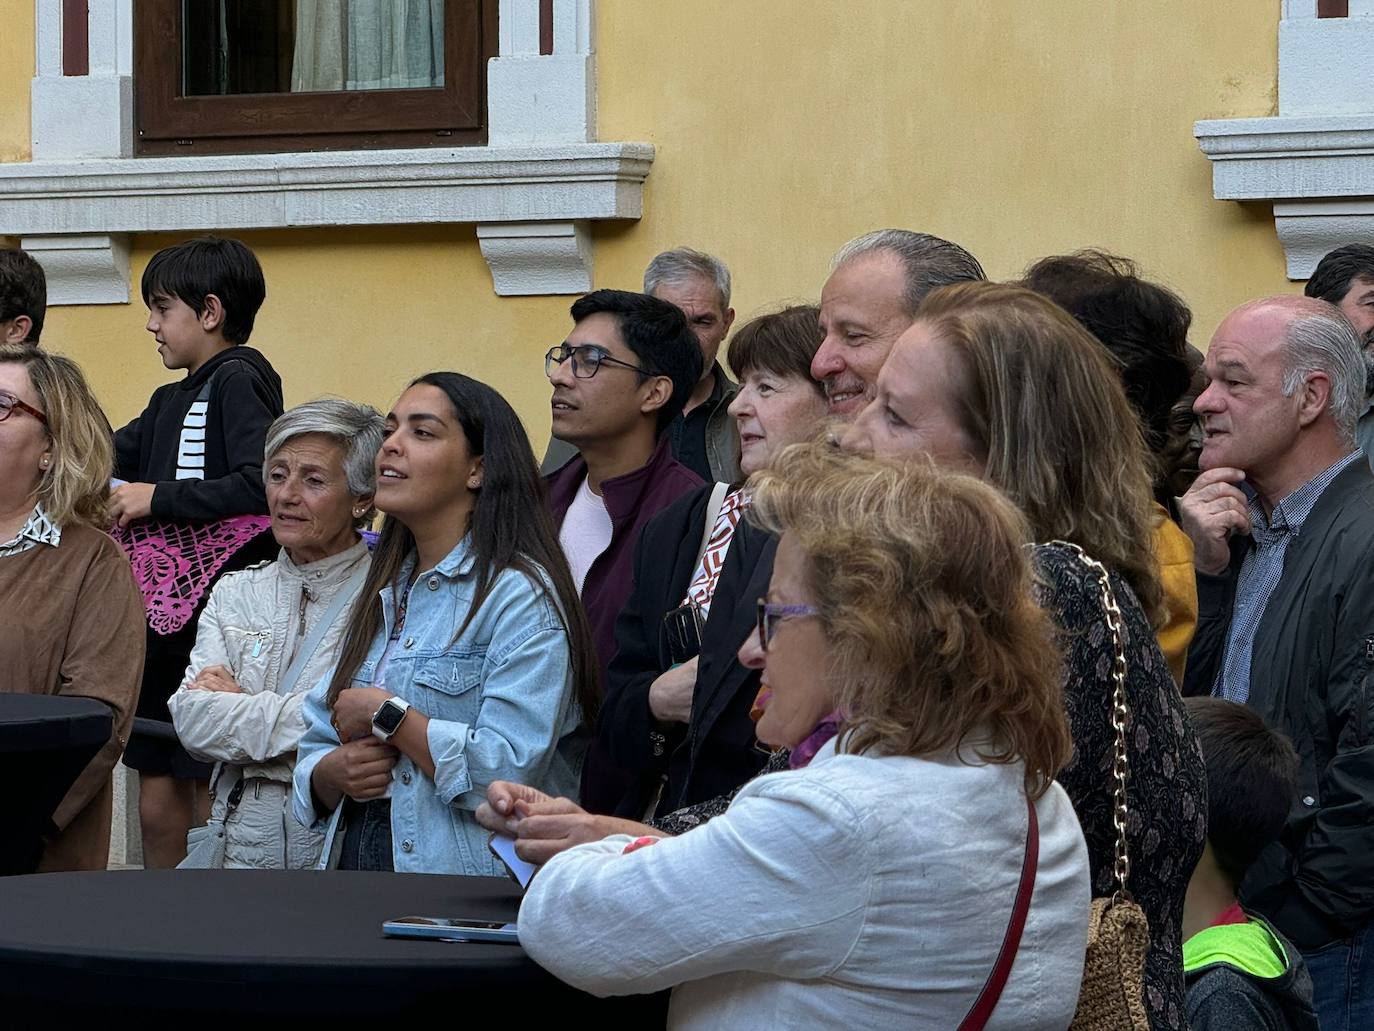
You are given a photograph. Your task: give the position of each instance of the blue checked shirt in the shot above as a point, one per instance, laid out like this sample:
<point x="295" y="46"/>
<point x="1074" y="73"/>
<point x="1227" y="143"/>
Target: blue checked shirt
<point x="1260" y="573"/>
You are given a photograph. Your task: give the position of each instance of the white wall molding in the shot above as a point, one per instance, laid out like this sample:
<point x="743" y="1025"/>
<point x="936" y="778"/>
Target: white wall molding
<point x="83" y="269"/>
<point x="490" y="186"/>
<point x="538" y="257"/>
<point x="1315" y="160"/>
<point x="533" y="97"/>
<point x="532" y="191"/>
<point x="84" y="116"/>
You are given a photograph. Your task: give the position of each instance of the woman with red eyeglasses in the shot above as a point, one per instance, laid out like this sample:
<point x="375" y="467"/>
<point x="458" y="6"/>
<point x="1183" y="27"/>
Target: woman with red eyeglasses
<point x="73" y="617"/>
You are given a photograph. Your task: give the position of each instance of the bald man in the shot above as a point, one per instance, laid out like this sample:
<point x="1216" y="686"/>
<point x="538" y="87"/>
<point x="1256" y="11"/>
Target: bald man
<point x="1282" y="524"/>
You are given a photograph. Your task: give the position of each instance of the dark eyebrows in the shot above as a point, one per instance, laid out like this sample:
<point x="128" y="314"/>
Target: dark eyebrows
<point x="392" y="419"/>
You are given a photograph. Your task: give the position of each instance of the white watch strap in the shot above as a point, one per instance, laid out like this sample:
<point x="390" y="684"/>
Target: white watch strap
<point x="399" y="703"/>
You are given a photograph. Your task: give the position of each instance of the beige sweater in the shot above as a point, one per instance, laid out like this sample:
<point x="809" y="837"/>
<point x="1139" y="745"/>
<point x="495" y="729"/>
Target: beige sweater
<point x="75" y="626"/>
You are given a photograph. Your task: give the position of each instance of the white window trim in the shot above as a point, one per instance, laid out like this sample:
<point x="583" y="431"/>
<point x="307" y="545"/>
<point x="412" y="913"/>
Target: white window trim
<point x="1314" y="161"/>
<point x="532" y="192"/>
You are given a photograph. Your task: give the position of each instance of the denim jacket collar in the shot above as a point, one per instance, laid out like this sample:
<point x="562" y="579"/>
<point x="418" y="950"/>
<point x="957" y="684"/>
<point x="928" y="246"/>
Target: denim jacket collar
<point x="458" y="564"/>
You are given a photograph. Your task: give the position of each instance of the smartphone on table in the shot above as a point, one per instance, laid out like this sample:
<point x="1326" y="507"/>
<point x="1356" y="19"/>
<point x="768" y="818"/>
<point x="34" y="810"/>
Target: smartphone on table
<point x="452" y="929"/>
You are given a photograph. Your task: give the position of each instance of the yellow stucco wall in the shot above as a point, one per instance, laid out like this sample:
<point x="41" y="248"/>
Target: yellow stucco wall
<point x="1019" y="128"/>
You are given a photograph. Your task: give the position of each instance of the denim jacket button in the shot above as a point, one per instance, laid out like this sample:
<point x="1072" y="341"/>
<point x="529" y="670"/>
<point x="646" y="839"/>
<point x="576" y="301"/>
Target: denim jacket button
<point x="1309" y="800"/>
<point x="410" y="642"/>
<point x="405" y="778"/>
<point x="407" y="845"/>
<point x="433" y="583"/>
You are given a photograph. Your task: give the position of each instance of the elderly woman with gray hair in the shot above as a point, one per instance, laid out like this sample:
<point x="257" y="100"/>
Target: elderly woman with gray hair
<point x="270" y="632"/>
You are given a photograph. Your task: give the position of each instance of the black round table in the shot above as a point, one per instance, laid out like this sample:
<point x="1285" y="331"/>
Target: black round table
<point x="45" y="743"/>
<point x="222" y="946"/>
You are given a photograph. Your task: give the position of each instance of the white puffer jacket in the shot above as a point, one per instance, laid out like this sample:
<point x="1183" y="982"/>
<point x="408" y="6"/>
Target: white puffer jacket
<point x="253" y="623"/>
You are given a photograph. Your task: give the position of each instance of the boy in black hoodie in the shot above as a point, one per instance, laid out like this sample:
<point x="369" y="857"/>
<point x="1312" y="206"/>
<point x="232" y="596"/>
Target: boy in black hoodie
<point x="1240" y="972"/>
<point x="193" y="462"/>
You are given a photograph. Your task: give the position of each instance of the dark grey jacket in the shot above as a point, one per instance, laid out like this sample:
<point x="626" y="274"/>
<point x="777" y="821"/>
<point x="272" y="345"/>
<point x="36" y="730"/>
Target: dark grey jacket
<point x="1223" y="996"/>
<point x="1310" y="676"/>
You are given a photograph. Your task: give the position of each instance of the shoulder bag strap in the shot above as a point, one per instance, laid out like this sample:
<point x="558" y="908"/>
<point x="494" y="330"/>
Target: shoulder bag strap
<point x="312" y="642"/>
<point x="1121" y="871"/>
<point x="713" y="508"/>
<point x="992" y="990"/>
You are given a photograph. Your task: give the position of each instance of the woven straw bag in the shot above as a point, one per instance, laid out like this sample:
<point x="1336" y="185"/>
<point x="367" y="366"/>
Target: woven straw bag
<point x="1112" y="996"/>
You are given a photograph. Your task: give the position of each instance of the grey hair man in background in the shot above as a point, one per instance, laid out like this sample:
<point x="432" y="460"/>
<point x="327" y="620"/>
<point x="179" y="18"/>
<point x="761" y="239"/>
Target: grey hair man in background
<point x="1282" y="524"/>
<point x="876" y="283"/>
<point x="1345" y="277"/>
<point x="703" y="437"/>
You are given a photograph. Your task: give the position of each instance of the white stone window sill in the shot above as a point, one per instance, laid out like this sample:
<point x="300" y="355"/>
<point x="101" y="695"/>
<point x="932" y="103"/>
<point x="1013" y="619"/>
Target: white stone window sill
<point x="1317" y="171"/>
<point x="531" y="205"/>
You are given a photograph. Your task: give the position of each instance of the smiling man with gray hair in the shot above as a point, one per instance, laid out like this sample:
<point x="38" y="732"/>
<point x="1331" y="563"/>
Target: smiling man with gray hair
<point x="1282" y="524"/>
<point x="877" y="281"/>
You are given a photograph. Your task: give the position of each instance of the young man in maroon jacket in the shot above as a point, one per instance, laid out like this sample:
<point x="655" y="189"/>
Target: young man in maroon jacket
<point x="621" y="377"/>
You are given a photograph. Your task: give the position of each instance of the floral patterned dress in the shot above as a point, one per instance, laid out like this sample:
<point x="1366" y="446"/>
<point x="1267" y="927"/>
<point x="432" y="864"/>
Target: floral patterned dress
<point x="1166" y="793"/>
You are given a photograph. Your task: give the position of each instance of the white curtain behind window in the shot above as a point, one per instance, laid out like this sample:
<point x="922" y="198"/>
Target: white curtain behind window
<point x="368" y="44"/>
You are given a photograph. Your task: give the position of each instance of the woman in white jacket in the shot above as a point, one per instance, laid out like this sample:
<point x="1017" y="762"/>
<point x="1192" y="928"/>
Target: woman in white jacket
<point x="874" y="884"/>
<point x="270" y="632"/>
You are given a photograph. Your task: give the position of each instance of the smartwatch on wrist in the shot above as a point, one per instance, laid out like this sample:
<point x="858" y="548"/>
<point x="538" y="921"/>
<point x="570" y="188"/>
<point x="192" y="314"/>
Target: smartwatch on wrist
<point x="387" y="719"/>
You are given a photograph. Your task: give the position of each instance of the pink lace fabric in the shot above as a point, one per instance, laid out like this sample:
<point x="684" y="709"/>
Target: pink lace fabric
<point x="174" y="563"/>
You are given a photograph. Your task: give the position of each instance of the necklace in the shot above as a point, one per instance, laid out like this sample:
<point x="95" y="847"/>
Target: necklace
<point x="401" y="614"/>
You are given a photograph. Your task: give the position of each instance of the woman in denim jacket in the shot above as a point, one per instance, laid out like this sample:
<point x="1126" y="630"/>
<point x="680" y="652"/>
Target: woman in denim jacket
<point x="467" y="658"/>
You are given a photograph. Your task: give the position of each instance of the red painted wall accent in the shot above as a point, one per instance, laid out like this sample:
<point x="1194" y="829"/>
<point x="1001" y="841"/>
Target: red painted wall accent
<point x="546" y="26"/>
<point x="76" y="48"/>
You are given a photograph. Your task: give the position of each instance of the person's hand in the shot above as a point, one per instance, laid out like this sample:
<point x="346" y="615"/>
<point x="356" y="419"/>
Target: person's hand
<point x="544" y="829"/>
<point x="130" y="501"/>
<point x="670" y="695"/>
<point x="215" y="678"/>
<point x="360" y="769"/>
<point x="354" y="709"/>
<point x="498" y="812"/>
<point x="1213" y="509"/>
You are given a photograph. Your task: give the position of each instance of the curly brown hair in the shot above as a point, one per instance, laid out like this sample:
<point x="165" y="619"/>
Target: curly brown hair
<point x="923" y="582"/>
<point x="1048" y="410"/>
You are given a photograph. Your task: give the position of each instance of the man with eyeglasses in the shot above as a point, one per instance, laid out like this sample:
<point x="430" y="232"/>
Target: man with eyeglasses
<point x="619" y="380"/>
<point x="703" y="435"/>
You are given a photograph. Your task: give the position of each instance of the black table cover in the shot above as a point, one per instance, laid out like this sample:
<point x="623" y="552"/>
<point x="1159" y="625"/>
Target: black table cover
<point x="227" y="944"/>
<point x="45" y="743"/>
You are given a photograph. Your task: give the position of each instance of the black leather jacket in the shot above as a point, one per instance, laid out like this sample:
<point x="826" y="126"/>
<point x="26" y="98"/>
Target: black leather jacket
<point x="1310" y="676"/>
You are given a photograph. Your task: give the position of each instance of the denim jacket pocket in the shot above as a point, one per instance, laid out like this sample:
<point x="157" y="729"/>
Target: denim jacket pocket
<point x="450" y="674"/>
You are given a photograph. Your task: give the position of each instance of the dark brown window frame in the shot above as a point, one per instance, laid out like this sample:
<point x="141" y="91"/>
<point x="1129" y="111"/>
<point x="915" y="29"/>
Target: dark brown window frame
<point x="167" y="123"/>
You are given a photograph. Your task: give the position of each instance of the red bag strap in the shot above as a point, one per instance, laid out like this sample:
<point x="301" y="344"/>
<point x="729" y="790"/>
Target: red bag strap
<point x="997" y="979"/>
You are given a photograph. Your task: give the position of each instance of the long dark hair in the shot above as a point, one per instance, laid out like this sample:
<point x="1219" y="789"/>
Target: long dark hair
<point x="511" y="528"/>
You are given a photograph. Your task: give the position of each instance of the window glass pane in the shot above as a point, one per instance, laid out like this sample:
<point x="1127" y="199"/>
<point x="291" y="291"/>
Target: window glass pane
<point x="306" y="46"/>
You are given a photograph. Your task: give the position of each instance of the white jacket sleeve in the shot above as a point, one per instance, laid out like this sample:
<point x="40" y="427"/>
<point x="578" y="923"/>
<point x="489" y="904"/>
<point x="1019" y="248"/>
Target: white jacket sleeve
<point x="236" y="728"/>
<point x="779" y="884"/>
